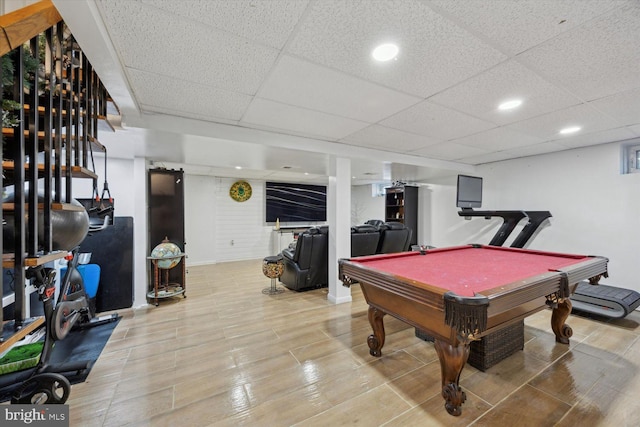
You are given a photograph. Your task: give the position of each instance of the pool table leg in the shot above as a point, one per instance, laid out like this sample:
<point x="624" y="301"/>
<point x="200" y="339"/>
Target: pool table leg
<point x="376" y="340"/>
<point x="452" y="360"/>
<point x="558" y="316"/>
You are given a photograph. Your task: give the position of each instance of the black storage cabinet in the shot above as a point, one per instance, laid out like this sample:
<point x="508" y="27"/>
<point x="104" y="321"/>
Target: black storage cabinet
<point x="401" y="205"/>
<point x="165" y="195"/>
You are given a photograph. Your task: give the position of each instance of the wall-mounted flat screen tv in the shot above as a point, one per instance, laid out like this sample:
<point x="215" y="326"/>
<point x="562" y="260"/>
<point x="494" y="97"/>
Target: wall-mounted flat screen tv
<point x="288" y="202"/>
<point x="469" y="192"/>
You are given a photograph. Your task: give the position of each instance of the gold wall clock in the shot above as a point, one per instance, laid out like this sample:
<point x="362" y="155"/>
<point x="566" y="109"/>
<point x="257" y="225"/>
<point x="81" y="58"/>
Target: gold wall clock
<point x="240" y="191"/>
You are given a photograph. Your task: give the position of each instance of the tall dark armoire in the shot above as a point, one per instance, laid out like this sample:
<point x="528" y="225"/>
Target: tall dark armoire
<point x="401" y="205"/>
<point x="165" y="194"/>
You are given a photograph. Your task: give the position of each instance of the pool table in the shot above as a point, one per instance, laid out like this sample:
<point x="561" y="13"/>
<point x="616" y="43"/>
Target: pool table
<point x="459" y="294"/>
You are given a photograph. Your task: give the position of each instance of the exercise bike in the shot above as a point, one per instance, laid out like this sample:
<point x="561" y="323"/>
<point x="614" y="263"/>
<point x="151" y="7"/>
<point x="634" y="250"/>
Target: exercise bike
<point x="44" y="383"/>
<point x="41" y="384"/>
<point x="73" y="308"/>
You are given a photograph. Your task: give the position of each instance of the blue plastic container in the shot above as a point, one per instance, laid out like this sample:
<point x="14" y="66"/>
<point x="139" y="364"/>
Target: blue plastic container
<point x="90" y="276"/>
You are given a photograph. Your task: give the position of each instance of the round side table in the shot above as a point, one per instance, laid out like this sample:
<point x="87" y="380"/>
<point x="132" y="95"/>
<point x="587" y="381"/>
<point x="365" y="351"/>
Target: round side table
<point x="272" y="267"/>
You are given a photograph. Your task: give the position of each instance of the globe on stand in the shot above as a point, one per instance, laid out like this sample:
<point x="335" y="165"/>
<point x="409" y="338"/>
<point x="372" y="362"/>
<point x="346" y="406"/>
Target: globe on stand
<point x="170" y="252"/>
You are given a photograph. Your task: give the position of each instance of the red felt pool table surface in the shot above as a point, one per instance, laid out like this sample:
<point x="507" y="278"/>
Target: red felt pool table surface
<point x="466" y="270"/>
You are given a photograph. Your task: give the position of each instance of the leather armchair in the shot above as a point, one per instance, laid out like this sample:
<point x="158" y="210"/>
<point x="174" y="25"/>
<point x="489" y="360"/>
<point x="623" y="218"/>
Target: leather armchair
<point x="306" y="265"/>
<point x="394" y="237"/>
<point x="364" y="240"/>
<point x="375" y="222"/>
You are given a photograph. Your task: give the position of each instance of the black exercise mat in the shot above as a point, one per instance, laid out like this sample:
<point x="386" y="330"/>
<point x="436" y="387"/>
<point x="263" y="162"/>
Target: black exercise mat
<point x="78" y="346"/>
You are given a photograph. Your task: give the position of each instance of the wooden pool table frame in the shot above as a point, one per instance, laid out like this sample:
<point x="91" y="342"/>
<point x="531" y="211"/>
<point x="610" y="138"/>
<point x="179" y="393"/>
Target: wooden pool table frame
<point x="455" y="321"/>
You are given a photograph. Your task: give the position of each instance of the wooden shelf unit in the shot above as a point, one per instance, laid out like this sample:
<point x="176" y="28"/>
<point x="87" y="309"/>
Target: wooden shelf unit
<point x="9" y="207"/>
<point x="401" y="205"/>
<point x="9" y="133"/>
<point x="13" y="334"/>
<point x="8" y="166"/>
<point x="8" y="260"/>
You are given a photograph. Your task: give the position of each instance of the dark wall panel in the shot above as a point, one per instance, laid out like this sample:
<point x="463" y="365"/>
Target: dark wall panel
<point x="112" y="250"/>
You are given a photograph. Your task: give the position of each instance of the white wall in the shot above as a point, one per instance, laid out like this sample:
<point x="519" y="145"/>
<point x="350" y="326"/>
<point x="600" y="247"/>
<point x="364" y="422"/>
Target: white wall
<point x="200" y="219"/>
<point x="240" y="229"/>
<point x="364" y="206"/>
<point x="213" y="220"/>
<point x="127" y="181"/>
<point x="595" y="209"/>
<point x="120" y="175"/>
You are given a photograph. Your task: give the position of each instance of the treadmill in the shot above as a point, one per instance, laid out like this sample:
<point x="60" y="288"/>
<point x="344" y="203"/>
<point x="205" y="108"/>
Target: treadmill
<point x="589" y="296"/>
<point x="605" y="301"/>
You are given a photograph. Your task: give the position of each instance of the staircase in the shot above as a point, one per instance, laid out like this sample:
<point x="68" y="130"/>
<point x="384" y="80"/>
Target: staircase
<point x="52" y="102"/>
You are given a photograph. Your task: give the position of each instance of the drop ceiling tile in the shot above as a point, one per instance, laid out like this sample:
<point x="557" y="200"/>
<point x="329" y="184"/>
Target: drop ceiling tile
<point x="376" y="136"/>
<point x="153" y="40"/>
<point x="187" y="99"/>
<point x="498" y="139"/>
<point x="434" y="52"/>
<point x="436" y="122"/>
<point x="520" y="25"/>
<point x="297" y="82"/>
<point x="294" y="120"/>
<point x="623" y="107"/>
<point x="269" y="22"/>
<point x="480" y="95"/>
<point x="449" y="151"/>
<point x="611" y="135"/>
<point x="547" y="126"/>
<point x="597" y="59"/>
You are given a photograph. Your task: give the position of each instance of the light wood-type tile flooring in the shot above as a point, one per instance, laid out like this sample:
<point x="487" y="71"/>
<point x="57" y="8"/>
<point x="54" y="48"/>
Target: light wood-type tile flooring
<point x="228" y="355"/>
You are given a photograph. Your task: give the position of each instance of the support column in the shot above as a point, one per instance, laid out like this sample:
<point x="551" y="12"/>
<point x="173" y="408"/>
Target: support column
<point x="339" y="216"/>
<point x="139" y="187"/>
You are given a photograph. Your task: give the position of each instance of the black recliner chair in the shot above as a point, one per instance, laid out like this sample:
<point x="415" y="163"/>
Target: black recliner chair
<point x="306" y="265"/>
<point x="375" y="222"/>
<point x="364" y="240"/>
<point x="394" y="237"/>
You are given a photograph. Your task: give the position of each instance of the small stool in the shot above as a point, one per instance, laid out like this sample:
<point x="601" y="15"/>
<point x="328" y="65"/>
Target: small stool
<point x="272" y="267"/>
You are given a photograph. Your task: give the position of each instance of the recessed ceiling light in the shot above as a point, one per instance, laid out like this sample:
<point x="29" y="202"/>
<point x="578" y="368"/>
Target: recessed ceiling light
<point x="509" y="105"/>
<point x="238" y="167"/>
<point x="385" y="52"/>
<point x="570" y="129"/>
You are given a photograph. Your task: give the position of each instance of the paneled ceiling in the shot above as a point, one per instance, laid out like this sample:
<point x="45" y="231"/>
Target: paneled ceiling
<point x="290" y="82"/>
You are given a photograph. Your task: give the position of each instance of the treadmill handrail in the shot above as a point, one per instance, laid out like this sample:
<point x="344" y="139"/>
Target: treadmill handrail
<point x="536" y="218"/>
<point x="510" y="220"/>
